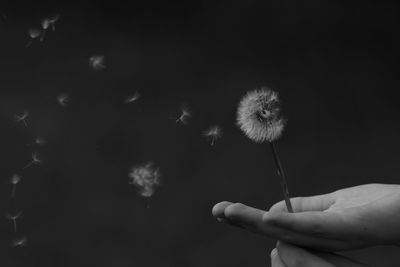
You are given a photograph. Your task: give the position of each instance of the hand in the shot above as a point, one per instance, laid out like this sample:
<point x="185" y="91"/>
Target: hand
<point x="286" y="255"/>
<point x="350" y="218"/>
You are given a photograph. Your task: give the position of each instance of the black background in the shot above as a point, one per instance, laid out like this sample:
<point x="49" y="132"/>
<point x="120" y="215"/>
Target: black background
<point x="335" y="66"/>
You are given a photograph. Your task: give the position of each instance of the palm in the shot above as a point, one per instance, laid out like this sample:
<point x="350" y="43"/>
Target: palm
<point x="350" y="218"/>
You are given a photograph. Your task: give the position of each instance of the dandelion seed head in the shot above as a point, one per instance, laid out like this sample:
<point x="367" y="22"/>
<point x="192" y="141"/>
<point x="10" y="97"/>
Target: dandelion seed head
<point x="15" y="179"/>
<point x="19" y="242"/>
<point x="132" y="98"/>
<point x="97" y="62"/>
<point x="259" y="116"/>
<point x="146" y="178"/>
<point x="63" y="99"/>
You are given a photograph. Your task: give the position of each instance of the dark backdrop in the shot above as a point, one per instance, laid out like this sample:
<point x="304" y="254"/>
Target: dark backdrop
<point x="335" y="66"/>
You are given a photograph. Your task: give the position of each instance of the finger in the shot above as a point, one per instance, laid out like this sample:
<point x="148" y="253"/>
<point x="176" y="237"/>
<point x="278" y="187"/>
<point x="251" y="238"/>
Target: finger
<point x="294" y="256"/>
<point x="276" y="260"/>
<point x="252" y="219"/>
<point x="319" y="224"/>
<point x="314" y="203"/>
<point x="339" y="260"/>
<point x="219" y="208"/>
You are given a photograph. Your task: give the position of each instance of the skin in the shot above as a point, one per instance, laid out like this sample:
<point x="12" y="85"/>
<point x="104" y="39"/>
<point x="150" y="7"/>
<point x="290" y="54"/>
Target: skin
<point x="350" y="218"/>
<point x="286" y="255"/>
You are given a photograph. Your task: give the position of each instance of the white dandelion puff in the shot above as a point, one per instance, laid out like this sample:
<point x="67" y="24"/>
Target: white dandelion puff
<point x="33" y="34"/>
<point x="97" y="62"/>
<point x="63" y="99"/>
<point x="259" y="115"/>
<point x="14" y="180"/>
<point x="184" y="115"/>
<point x="132" y="98"/>
<point x="22" y="118"/>
<point x="35" y="161"/>
<point x="213" y="133"/>
<point x="146" y="178"/>
<point x="259" y="118"/>
<point x="13" y="217"/>
<point x="21" y="241"/>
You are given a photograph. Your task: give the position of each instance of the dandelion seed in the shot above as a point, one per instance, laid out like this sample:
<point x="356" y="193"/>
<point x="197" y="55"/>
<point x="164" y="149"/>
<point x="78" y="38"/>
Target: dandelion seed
<point x="35" y="161"/>
<point x="97" y="62"/>
<point x="14" y="180"/>
<point x="184" y="116"/>
<point x="213" y="133"/>
<point x="259" y="118"/>
<point x="33" y="34"/>
<point x="22" y="118"/>
<point x="146" y="178"/>
<point x="50" y="22"/>
<point x="39" y="141"/>
<point x="14" y="217"/>
<point x="63" y="99"/>
<point x="132" y="98"/>
<point x="19" y="242"/>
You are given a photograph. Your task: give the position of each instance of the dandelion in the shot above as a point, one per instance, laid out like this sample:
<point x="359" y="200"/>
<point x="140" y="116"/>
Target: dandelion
<point x="132" y="98"/>
<point x="213" y="133"/>
<point x="33" y="34"/>
<point x="259" y="118"/>
<point x="14" y="180"/>
<point x="146" y="178"/>
<point x="63" y="99"/>
<point x="22" y="118"/>
<point x="19" y="242"/>
<point x="184" y="116"/>
<point x="35" y="161"/>
<point x="97" y="62"/>
<point x="14" y="217"/>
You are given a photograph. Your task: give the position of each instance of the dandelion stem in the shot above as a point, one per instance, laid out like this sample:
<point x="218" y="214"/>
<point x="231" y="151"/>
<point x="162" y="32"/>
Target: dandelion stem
<point x="15" y="225"/>
<point x="284" y="185"/>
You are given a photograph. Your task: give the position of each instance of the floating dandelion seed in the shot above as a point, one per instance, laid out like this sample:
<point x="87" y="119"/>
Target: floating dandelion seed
<point x="33" y="33"/>
<point x="259" y="118"/>
<point x="19" y="242"/>
<point x="14" y="217"/>
<point x="145" y="178"/>
<point x="35" y="161"/>
<point x="63" y="99"/>
<point x="184" y="116"/>
<point x="97" y="62"/>
<point x="132" y="98"/>
<point x="22" y="118"/>
<point x="14" y="180"/>
<point x="50" y="22"/>
<point x="39" y="141"/>
<point x="213" y="133"/>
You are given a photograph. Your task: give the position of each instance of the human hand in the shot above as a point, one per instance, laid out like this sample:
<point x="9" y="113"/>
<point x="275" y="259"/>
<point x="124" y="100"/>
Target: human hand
<point x="350" y="218"/>
<point x="286" y="255"/>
